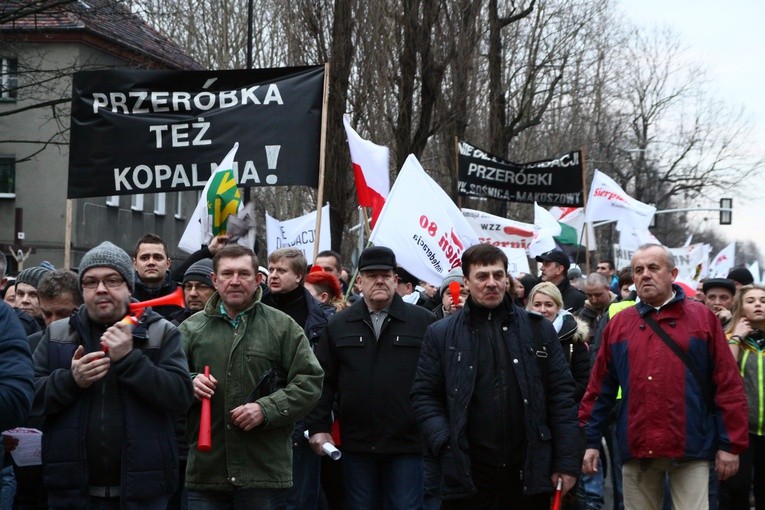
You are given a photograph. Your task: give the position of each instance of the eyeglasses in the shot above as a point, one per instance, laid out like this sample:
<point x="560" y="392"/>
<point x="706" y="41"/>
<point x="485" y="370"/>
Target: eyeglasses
<point x="110" y="283"/>
<point x="200" y="287"/>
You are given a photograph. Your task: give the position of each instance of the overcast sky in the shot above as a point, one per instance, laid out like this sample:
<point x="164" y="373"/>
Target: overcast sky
<point x="729" y="39"/>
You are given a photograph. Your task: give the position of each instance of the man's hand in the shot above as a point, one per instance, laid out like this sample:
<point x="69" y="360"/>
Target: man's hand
<point x="724" y="315"/>
<point x="204" y="387"/>
<point x="10" y="443"/>
<point x="568" y="482"/>
<point x="217" y="243"/>
<point x="726" y="464"/>
<point x="590" y="462"/>
<point x="317" y="441"/>
<point x="90" y="367"/>
<point x="118" y="340"/>
<point x="248" y="416"/>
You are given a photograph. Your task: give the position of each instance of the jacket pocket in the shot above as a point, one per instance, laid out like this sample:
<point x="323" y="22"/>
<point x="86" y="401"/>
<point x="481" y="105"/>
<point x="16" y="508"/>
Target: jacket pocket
<point x="406" y="353"/>
<point x="350" y="351"/>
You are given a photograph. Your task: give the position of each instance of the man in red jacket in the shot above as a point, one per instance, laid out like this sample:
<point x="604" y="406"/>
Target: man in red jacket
<point x="674" y="418"/>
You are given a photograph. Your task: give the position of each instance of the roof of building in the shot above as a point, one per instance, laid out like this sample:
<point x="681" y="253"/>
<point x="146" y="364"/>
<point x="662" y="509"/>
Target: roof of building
<point x="106" y="24"/>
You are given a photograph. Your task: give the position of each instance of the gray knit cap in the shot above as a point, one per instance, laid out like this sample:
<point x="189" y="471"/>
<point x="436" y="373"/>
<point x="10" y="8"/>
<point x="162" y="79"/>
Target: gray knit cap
<point x="199" y="271"/>
<point x="32" y="275"/>
<point x="107" y="254"/>
<point x="455" y="275"/>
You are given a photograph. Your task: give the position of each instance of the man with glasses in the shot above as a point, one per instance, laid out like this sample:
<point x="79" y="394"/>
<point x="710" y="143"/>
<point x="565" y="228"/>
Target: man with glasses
<point x="197" y="289"/>
<point x="369" y="353"/>
<point x="108" y="390"/>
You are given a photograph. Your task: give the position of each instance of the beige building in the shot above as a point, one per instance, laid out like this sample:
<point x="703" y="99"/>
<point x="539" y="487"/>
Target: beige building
<point x="39" y="51"/>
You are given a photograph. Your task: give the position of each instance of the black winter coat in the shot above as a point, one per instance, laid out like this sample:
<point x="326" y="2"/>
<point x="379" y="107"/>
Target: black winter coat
<point x="443" y="388"/>
<point x="371" y="378"/>
<point x="572" y="335"/>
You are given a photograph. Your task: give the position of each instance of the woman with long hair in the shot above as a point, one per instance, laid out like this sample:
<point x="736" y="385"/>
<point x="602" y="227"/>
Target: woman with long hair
<point x="746" y="338"/>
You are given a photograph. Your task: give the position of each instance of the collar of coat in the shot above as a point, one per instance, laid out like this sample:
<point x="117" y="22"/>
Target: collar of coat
<point x="396" y="310"/>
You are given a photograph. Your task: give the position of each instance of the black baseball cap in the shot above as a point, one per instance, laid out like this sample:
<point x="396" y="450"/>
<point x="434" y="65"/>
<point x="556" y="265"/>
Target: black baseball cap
<point x="555" y="256"/>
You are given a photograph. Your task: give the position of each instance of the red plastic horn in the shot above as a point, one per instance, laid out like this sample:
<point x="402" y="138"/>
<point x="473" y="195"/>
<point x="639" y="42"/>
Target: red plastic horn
<point x="455" y="288"/>
<point x="204" y="442"/>
<point x="174" y="298"/>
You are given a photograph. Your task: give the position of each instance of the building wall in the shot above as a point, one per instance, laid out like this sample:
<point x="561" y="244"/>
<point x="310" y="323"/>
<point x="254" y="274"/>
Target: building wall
<point x="41" y="182"/>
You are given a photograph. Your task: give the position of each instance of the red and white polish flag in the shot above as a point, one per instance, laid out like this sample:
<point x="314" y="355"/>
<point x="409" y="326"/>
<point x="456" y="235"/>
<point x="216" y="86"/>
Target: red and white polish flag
<point x="370" y="168"/>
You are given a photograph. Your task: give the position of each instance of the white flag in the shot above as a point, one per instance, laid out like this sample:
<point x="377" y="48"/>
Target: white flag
<point x="503" y="233"/>
<point x="422" y="225"/>
<point x="723" y="262"/>
<point x="754" y="268"/>
<point x="545" y="228"/>
<point x="608" y="201"/>
<point x="199" y="228"/>
<point x="298" y="233"/>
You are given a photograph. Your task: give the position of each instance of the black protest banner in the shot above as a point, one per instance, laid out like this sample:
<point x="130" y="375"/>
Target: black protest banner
<point x="548" y="182"/>
<point x="138" y="131"/>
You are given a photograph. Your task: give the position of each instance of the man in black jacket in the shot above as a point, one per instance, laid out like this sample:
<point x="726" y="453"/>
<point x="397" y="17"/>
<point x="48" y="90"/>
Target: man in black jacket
<point x="369" y="353"/>
<point x="287" y="268"/>
<point x="555" y="266"/>
<point x="494" y="398"/>
<point x="152" y="273"/>
<point x="108" y="390"/>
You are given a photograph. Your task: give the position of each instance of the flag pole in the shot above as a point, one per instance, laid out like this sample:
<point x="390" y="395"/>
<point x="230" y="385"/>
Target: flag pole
<point x="322" y="157"/>
<point x="584" y="199"/>
<point x="68" y="235"/>
<point x="457" y="168"/>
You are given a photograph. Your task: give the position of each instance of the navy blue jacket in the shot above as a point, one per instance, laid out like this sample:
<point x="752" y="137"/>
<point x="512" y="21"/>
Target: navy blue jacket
<point x="443" y="387"/>
<point x="155" y="385"/>
<point x="16" y="374"/>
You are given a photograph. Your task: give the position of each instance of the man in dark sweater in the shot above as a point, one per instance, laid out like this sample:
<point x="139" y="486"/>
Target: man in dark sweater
<point x="152" y="273"/>
<point x="287" y="268"/>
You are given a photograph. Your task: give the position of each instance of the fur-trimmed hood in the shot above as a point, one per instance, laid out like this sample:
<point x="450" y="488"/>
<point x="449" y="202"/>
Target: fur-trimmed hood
<point x="573" y="329"/>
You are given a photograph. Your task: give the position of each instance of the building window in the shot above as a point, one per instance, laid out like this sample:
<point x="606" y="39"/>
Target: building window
<point x="136" y="202"/>
<point x="7" y="177"/>
<point x="179" y="205"/>
<point x="9" y="78"/>
<point x="113" y="201"/>
<point x="160" y="204"/>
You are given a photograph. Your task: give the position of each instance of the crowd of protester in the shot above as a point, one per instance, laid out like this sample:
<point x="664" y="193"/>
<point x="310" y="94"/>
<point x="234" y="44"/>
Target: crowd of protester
<point x="233" y="380"/>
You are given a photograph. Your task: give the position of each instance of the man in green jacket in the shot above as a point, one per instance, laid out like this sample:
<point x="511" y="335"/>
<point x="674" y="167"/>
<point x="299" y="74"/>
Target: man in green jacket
<point x="240" y="339"/>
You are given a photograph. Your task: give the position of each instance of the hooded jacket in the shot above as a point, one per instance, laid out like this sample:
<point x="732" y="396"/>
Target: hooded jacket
<point x="572" y="335"/>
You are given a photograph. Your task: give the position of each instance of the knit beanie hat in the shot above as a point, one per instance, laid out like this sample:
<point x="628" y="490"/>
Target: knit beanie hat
<point x="455" y="275"/>
<point x="108" y="255"/>
<point x="741" y="275"/>
<point x="199" y="271"/>
<point x="32" y="275"/>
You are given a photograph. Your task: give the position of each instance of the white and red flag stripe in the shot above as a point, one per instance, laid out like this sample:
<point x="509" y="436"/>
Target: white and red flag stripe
<point x="370" y="168"/>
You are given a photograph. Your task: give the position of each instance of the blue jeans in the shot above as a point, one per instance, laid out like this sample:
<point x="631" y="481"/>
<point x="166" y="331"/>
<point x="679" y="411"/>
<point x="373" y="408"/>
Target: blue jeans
<point x="7" y="486"/>
<point x="383" y="481"/>
<point x="238" y="499"/>
<point x="306" y="477"/>
<point x="590" y="490"/>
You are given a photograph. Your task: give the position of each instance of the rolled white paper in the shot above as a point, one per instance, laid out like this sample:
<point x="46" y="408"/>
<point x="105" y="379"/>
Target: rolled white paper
<point x="328" y="448"/>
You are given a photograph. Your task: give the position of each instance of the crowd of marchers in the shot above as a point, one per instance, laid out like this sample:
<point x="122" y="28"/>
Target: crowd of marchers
<point x="482" y="391"/>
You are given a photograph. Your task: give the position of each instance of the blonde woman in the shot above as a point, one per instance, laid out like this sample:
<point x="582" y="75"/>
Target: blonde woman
<point x="747" y="343"/>
<point x="546" y="299"/>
